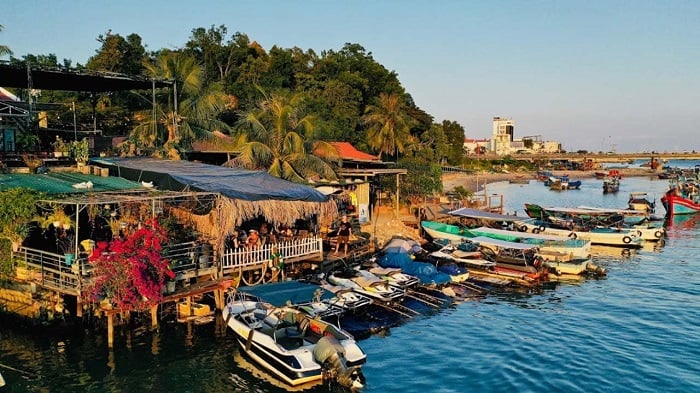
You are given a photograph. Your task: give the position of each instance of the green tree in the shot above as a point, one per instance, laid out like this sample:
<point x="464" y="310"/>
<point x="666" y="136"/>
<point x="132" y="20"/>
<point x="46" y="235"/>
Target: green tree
<point x="282" y="140"/>
<point x="389" y="125"/>
<point x="189" y="114"/>
<point x="454" y="133"/>
<point x="119" y="54"/>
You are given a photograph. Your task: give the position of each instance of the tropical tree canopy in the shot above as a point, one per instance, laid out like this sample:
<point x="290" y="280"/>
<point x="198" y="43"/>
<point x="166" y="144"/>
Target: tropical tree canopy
<point x="389" y="125"/>
<point x="315" y="98"/>
<point x="187" y="114"/>
<point x="282" y="140"/>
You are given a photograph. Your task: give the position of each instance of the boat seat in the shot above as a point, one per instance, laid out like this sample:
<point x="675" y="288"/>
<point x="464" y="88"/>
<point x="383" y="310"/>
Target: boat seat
<point x="259" y="314"/>
<point x="289" y="337"/>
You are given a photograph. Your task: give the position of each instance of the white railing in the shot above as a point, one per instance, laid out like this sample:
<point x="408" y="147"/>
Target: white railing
<point x="288" y="249"/>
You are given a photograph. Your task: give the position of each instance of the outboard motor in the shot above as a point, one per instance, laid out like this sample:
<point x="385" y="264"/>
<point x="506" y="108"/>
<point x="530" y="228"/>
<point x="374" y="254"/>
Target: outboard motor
<point x="331" y="354"/>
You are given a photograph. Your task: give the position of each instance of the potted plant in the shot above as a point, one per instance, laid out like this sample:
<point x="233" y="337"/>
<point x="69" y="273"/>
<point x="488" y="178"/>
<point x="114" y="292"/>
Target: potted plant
<point x="60" y="148"/>
<point x="80" y="150"/>
<point x="58" y="218"/>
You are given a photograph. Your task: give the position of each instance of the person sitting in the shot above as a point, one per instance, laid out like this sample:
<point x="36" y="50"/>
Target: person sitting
<point x="286" y="232"/>
<point x="344" y="232"/>
<point x="253" y="239"/>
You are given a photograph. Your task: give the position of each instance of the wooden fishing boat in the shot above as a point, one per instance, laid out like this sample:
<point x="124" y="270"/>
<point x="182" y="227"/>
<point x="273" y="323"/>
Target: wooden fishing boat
<point x="293" y="346"/>
<point x="641" y="201"/>
<point x="563" y="183"/>
<point x="547" y="243"/>
<point x="603" y="236"/>
<point x="681" y="198"/>
<point x="611" y="185"/>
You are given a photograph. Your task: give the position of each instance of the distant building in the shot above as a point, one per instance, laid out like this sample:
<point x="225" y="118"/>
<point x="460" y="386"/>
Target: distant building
<point x="502" y="135"/>
<point x="503" y="142"/>
<point x="476" y="146"/>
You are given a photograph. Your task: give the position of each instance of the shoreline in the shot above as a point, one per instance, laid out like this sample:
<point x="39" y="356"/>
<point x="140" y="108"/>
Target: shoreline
<point x="474" y="182"/>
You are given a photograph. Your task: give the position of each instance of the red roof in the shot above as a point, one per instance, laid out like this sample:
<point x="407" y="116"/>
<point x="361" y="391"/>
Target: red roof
<point x="348" y="152"/>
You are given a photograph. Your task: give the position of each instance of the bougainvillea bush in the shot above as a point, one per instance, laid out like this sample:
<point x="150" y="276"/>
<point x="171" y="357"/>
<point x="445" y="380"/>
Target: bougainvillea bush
<point x="132" y="271"/>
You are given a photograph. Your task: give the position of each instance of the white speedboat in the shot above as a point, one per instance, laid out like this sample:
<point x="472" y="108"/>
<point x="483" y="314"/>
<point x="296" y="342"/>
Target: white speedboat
<point x="394" y="276"/>
<point x="292" y="345"/>
<point x="373" y="287"/>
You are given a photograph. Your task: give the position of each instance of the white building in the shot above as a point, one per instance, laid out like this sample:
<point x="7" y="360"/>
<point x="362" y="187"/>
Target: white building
<point x="502" y="135"/>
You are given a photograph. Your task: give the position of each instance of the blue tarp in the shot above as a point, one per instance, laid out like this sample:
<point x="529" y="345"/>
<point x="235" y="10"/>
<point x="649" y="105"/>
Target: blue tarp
<point x="279" y="293"/>
<point x="426" y="272"/>
<point x="231" y="182"/>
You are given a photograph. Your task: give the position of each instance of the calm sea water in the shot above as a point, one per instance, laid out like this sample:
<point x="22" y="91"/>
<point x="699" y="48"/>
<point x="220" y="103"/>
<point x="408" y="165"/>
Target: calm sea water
<point x="636" y="330"/>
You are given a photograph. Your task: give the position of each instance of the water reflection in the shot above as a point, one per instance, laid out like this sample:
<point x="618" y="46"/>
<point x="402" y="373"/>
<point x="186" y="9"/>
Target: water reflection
<point x="598" y="250"/>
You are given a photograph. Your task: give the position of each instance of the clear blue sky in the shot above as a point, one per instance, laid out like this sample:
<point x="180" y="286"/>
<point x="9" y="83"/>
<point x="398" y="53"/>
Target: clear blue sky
<point x="595" y="75"/>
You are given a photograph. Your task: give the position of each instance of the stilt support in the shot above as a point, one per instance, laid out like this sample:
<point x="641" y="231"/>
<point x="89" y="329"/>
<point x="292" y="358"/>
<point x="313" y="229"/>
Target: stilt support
<point x="110" y="330"/>
<point x="154" y="317"/>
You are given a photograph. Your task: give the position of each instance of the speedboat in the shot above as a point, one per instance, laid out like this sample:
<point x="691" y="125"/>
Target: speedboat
<point x="292" y="345"/>
<point x="394" y="276"/>
<point x="371" y="286"/>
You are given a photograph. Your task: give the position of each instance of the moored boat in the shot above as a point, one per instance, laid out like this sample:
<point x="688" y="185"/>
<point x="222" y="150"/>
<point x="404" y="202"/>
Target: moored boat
<point x="641" y="201"/>
<point x="293" y="346"/>
<point x="547" y="243"/>
<point x="681" y="198"/>
<point x="603" y="236"/>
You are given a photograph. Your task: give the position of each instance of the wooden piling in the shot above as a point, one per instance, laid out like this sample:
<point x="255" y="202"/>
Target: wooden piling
<point x="154" y="317"/>
<point x="110" y="330"/>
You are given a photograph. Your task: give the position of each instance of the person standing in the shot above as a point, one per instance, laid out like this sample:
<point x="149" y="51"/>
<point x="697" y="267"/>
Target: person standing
<point x="344" y="233"/>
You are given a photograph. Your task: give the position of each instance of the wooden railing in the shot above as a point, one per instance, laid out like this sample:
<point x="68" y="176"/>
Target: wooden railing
<point x="291" y="249"/>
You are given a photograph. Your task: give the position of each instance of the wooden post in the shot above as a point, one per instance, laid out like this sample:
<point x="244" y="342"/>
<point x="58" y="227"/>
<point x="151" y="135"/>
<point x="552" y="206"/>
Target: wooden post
<point x="79" y="307"/>
<point x="218" y="299"/>
<point x="397" y="196"/>
<point x="110" y="330"/>
<point x="154" y="317"/>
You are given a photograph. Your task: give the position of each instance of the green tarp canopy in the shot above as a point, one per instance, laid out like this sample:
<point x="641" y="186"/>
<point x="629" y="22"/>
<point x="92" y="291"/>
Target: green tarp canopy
<point x="63" y="183"/>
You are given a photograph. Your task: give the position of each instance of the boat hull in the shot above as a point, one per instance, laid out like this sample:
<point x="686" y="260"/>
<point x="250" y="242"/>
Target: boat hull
<point x="295" y="366"/>
<point x="606" y="238"/>
<point x="452" y="233"/>
<point x="677" y="205"/>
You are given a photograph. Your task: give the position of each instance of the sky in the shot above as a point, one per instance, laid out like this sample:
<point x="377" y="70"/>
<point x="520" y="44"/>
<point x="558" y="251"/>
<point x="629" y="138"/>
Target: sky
<point x="597" y="75"/>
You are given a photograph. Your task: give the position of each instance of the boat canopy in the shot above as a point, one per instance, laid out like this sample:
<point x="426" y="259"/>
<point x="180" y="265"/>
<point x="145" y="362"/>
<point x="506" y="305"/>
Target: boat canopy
<point x="590" y="209"/>
<point x="483" y="215"/>
<point x="503" y="243"/>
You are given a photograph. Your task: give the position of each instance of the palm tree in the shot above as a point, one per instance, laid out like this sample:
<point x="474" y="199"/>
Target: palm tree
<point x="389" y="125"/>
<point x="281" y="140"/>
<point x="187" y="115"/>
<point x="4" y="49"/>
